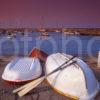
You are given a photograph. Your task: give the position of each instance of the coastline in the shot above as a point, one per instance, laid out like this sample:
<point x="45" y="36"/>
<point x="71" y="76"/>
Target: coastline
<point x="70" y="31"/>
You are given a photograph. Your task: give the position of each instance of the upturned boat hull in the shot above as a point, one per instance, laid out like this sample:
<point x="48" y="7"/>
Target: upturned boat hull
<point x="77" y="81"/>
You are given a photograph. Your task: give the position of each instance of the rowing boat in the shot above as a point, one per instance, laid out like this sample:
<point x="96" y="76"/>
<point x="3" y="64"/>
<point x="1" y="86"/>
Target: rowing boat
<point x="76" y="81"/>
<point x="25" y="69"/>
<point x="22" y="70"/>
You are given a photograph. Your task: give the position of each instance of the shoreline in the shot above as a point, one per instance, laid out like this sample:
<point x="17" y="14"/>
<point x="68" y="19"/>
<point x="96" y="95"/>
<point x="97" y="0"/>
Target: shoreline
<point x="69" y="31"/>
<point x="5" y="87"/>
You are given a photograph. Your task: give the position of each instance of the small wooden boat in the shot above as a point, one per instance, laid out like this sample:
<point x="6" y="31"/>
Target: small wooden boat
<point x="22" y="70"/>
<point x="39" y="54"/>
<point x="45" y="34"/>
<point x="25" y="69"/>
<point x="77" y="81"/>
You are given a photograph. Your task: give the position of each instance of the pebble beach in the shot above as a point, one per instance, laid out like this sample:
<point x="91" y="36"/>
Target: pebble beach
<point x="43" y="91"/>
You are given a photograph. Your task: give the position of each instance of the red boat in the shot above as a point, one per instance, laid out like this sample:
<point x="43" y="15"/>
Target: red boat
<point x="39" y="54"/>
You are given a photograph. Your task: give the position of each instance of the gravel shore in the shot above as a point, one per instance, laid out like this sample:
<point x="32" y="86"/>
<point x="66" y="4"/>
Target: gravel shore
<point x="43" y="92"/>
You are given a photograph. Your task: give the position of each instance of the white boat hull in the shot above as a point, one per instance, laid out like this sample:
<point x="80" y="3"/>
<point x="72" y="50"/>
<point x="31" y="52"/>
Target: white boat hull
<point x="22" y="69"/>
<point x="76" y="81"/>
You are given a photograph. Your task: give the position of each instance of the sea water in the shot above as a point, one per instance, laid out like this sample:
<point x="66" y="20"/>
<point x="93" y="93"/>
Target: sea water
<point x="55" y="42"/>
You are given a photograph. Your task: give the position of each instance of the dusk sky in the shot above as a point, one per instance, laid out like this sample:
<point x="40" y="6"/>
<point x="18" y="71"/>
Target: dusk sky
<point x="50" y="13"/>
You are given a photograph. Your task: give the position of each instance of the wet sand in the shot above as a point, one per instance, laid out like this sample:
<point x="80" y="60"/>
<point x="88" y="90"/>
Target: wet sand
<point x="43" y="91"/>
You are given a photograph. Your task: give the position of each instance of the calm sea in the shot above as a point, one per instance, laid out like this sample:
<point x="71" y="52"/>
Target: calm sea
<point x="56" y="42"/>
